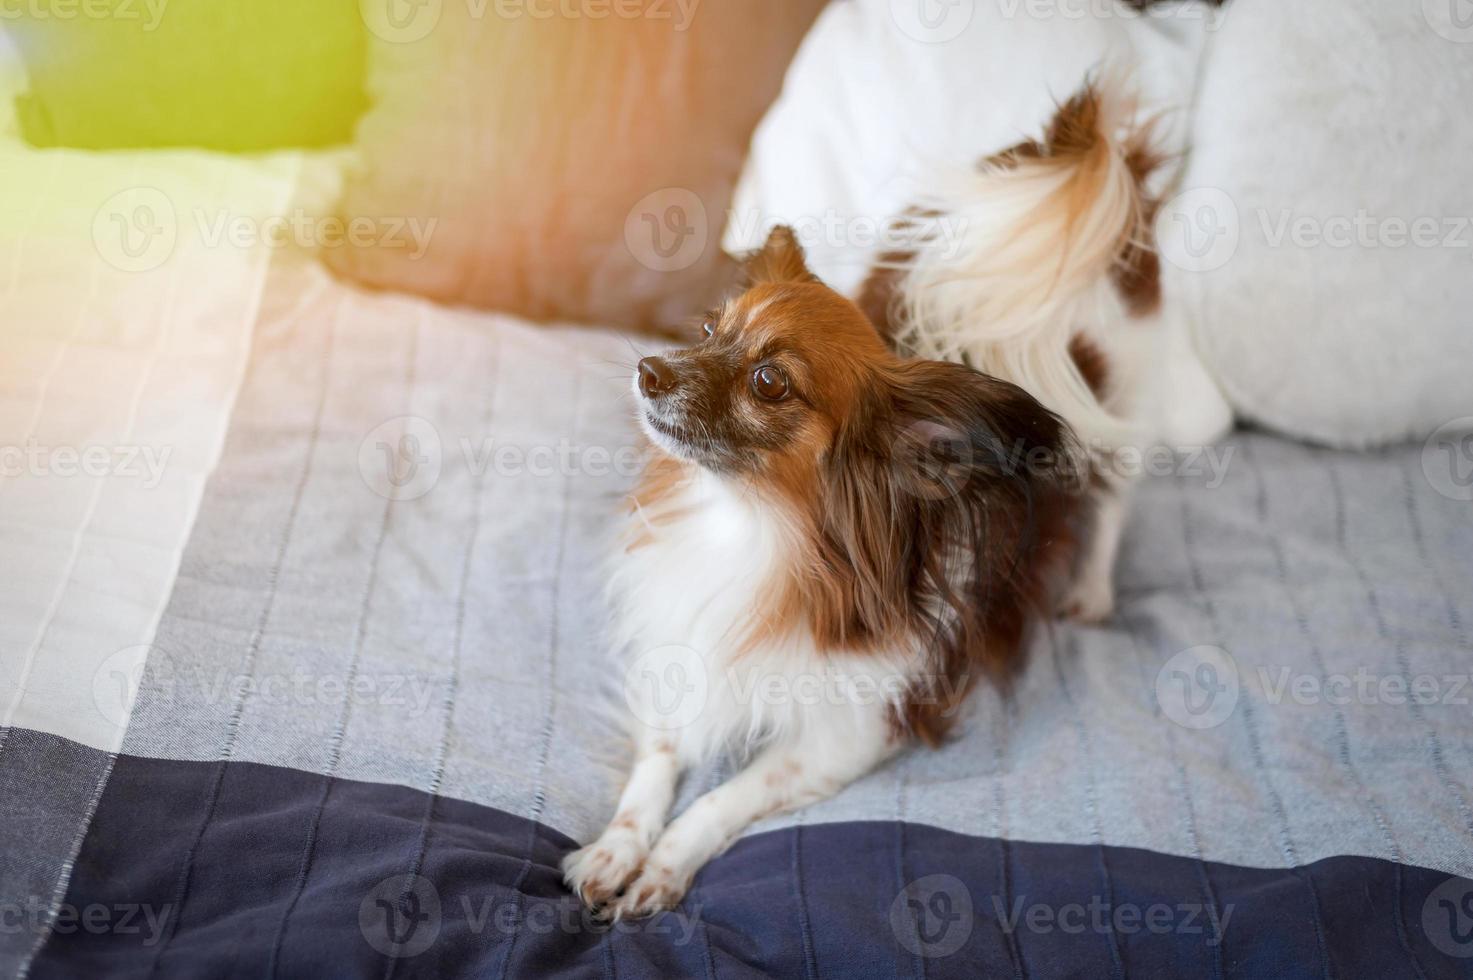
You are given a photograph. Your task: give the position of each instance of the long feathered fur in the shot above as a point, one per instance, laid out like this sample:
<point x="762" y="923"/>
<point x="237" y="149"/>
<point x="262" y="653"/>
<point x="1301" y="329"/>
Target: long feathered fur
<point x="1054" y="235"/>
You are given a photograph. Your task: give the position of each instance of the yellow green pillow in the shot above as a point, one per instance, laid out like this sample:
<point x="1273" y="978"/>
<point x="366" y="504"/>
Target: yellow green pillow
<point x="237" y="75"/>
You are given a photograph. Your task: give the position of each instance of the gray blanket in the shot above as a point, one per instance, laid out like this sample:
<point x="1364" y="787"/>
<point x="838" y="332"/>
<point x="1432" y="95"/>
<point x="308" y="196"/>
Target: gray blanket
<point x="395" y="578"/>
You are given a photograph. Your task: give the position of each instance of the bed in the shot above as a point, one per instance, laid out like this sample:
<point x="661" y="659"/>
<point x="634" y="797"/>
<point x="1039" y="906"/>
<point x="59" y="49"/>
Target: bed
<point x="321" y="690"/>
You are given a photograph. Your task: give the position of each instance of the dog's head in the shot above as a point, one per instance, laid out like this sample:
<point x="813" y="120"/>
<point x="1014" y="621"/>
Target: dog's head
<point x="789" y="384"/>
<point x="774" y="374"/>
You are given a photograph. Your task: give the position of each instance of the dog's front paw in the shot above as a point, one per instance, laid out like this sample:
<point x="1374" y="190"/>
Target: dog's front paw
<point x="659" y="887"/>
<point x="598" y="872"/>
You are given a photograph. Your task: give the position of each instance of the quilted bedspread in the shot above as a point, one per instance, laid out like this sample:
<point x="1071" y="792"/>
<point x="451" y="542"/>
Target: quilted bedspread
<point x="322" y="689"/>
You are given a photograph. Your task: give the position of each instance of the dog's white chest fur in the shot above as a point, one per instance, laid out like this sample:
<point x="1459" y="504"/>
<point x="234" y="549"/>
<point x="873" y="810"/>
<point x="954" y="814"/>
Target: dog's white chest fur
<point x="689" y="598"/>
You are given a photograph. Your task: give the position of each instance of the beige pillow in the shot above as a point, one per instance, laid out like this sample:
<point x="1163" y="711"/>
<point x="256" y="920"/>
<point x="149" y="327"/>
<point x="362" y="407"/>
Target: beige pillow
<point x="577" y="165"/>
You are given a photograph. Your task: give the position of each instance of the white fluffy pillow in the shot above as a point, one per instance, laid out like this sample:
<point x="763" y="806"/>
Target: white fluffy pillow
<point x="1322" y="249"/>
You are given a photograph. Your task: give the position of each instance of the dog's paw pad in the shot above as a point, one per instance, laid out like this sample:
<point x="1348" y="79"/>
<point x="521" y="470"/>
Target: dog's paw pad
<point x="657" y="889"/>
<point x="598" y="872"/>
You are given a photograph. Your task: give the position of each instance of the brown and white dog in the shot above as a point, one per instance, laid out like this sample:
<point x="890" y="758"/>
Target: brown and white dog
<point x="857" y="509"/>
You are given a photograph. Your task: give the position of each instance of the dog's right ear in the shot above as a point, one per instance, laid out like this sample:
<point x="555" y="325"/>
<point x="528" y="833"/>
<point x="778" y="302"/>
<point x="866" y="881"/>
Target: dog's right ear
<point x="779" y="260"/>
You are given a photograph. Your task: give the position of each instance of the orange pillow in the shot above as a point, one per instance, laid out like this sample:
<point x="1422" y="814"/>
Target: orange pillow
<point x="576" y="157"/>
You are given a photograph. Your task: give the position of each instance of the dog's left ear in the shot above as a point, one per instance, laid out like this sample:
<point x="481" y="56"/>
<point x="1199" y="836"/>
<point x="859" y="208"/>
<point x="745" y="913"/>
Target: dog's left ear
<point x="779" y="260"/>
<point x="945" y="507"/>
<point x="954" y="431"/>
<point x="939" y="490"/>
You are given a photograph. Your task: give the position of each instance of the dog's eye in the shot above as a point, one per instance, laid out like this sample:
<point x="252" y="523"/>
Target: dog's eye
<point x="770" y="383"/>
<point x="708" y="328"/>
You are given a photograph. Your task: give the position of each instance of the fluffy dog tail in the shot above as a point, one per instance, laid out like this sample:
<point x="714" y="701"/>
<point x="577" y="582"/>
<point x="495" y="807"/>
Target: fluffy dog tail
<point x="1052" y="239"/>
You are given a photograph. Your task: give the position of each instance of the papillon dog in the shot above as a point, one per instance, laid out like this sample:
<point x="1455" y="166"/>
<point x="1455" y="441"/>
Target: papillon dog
<point x="856" y="509"/>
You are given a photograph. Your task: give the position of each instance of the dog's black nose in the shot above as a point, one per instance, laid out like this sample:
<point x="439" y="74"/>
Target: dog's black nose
<point x="656" y="377"/>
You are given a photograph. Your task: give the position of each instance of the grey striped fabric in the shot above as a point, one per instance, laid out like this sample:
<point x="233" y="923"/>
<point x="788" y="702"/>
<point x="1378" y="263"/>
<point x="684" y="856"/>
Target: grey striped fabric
<point x="467" y="621"/>
<point x="419" y="602"/>
<point x="49" y="788"/>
